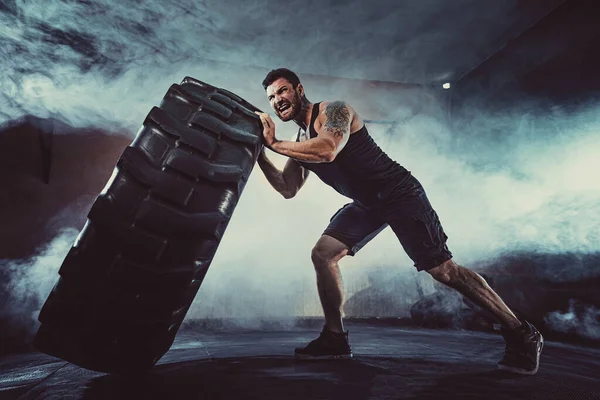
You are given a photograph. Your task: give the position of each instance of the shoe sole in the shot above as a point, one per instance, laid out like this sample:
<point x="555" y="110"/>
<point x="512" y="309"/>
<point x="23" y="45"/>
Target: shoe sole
<point x="308" y="357"/>
<point x="525" y="371"/>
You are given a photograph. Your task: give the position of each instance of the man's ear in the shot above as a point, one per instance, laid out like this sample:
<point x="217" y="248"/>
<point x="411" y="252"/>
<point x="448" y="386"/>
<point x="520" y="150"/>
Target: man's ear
<point x="300" y="89"/>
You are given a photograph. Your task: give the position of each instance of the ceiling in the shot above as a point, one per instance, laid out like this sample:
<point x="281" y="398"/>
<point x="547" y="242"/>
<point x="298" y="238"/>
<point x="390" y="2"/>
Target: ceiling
<point x="420" y="41"/>
<point x="400" y="41"/>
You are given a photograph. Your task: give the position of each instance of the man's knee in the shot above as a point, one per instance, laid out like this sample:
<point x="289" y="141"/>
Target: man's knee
<point x="327" y="251"/>
<point x="446" y="273"/>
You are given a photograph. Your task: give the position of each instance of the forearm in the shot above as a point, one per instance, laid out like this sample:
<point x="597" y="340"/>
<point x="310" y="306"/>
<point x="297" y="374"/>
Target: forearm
<point x="273" y="174"/>
<point x="314" y="150"/>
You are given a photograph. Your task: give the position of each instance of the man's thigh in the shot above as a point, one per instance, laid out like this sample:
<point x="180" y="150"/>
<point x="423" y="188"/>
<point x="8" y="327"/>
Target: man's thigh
<point x="354" y="226"/>
<point x="417" y="226"/>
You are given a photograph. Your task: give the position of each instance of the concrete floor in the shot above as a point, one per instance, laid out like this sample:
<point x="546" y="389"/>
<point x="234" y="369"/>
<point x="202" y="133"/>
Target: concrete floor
<point x="390" y="363"/>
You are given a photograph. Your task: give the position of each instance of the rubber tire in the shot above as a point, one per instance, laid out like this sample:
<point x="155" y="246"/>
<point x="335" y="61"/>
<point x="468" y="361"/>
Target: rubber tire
<point x="133" y="272"/>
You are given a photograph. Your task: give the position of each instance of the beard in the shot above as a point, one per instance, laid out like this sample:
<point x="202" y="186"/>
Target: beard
<point x="293" y="111"/>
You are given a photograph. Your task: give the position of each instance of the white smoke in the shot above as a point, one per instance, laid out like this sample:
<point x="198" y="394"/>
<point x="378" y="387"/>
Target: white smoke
<point x="30" y="281"/>
<point x="584" y="322"/>
<point x="536" y="192"/>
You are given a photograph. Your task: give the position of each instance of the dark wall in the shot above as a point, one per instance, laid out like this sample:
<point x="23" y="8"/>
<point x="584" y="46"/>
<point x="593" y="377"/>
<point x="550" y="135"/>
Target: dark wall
<point x="554" y="62"/>
<point x="33" y="211"/>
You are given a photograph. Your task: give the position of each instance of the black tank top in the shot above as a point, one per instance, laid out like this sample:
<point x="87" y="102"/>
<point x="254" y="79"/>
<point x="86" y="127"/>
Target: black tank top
<point x="361" y="171"/>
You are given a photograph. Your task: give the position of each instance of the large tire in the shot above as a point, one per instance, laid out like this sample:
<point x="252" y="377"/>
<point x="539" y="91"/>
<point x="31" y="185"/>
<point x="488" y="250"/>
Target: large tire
<point x="130" y="277"/>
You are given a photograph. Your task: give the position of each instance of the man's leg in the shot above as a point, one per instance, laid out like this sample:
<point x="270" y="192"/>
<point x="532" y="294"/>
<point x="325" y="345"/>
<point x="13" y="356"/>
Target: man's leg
<point x="325" y="256"/>
<point x="333" y="341"/>
<point x="524" y="343"/>
<point x="349" y="230"/>
<point x="420" y="232"/>
<point x="475" y="288"/>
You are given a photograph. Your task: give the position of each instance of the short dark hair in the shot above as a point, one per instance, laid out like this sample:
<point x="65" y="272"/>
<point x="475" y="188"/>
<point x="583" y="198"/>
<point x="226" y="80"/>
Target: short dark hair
<point x="281" y="73"/>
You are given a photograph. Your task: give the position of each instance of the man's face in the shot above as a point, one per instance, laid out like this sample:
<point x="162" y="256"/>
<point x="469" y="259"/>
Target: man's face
<point x="284" y="99"/>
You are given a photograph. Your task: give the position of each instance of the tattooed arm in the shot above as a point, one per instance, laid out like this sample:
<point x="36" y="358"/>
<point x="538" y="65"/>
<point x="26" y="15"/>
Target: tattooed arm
<point x="333" y="130"/>
<point x="336" y="122"/>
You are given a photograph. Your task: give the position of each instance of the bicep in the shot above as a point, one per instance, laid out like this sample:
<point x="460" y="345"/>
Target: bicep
<point x="294" y="175"/>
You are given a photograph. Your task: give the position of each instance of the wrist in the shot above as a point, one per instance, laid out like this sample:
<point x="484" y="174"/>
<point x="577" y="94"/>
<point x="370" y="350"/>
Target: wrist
<point x="274" y="144"/>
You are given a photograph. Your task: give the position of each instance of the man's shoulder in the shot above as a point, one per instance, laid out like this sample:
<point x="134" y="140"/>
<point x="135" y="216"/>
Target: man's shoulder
<point x="336" y="110"/>
<point x="333" y="103"/>
<point x="326" y="108"/>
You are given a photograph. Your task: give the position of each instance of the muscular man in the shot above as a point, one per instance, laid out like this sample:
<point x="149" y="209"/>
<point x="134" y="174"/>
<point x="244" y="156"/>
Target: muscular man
<point x="333" y="142"/>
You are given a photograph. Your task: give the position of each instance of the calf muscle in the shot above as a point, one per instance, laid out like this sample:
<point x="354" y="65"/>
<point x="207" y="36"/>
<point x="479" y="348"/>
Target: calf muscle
<point x="471" y="285"/>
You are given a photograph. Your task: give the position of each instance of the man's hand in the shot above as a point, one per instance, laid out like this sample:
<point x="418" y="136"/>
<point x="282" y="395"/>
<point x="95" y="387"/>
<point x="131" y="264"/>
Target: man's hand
<point x="268" y="128"/>
<point x="331" y="136"/>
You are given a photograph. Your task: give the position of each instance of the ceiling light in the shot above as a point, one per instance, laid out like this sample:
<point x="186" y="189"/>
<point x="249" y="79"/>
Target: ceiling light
<point x="446" y="85"/>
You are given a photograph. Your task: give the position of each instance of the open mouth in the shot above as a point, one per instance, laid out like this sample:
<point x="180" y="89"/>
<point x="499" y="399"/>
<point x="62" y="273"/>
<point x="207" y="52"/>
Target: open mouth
<point x="284" y="108"/>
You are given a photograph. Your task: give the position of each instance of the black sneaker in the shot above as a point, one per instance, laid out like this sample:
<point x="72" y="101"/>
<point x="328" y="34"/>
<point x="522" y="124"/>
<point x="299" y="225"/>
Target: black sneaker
<point x="328" y="346"/>
<point x="523" y="349"/>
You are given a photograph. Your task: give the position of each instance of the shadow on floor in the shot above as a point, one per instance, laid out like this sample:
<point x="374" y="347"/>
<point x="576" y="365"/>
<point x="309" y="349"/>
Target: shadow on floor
<point x="283" y="378"/>
<point x="252" y="377"/>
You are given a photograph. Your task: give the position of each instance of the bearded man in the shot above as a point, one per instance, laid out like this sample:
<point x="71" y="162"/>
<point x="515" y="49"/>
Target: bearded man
<point x="334" y="143"/>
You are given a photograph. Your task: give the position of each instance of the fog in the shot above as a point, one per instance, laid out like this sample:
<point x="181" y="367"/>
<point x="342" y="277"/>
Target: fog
<point x="501" y="183"/>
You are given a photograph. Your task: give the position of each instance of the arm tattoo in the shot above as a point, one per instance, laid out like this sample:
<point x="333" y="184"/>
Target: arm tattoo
<point x="338" y="118"/>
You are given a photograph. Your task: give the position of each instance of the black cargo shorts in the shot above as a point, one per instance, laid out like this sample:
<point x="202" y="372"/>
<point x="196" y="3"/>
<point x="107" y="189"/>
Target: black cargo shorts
<point x="410" y="215"/>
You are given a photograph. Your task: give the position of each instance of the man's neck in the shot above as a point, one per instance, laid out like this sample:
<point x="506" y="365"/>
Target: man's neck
<point x="303" y="117"/>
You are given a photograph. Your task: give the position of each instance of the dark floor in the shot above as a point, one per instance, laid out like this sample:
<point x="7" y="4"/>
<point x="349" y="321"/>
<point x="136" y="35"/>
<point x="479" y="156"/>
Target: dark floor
<point x="390" y="363"/>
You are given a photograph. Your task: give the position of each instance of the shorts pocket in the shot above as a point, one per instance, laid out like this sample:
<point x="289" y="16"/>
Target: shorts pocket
<point x="435" y="237"/>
